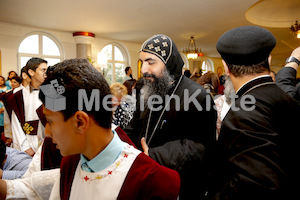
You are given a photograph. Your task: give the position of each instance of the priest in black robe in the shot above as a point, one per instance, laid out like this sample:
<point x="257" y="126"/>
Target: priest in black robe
<point x="174" y="115"/>
<point x="257" y="150"/>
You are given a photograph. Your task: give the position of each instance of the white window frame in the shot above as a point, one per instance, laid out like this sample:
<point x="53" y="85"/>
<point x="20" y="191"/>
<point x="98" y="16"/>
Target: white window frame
<point x="40" y="53"/>
<point x="205" y="68"/>
<point x="125" y="55"/>
<point x="186" y="62"/>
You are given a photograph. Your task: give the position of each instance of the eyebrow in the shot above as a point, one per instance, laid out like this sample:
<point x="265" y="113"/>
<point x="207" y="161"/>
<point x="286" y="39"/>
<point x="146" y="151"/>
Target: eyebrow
<point x="147" y="59"/>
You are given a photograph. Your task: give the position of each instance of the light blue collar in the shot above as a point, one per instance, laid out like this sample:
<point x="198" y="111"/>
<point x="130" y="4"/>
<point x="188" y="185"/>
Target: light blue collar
<point x="105" y="158"/>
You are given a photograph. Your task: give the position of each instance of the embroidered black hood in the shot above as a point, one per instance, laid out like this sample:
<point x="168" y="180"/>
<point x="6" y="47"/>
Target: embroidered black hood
<point x="163" y="47"/>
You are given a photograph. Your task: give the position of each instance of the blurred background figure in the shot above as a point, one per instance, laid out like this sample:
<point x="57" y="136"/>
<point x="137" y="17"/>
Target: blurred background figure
<point x="123" y="111"/>
<point x="10" y="75"/>
<point x="3" y="87"/>
<point x="210" y="81"/>
<point x="128" y="74"/>
<point x="187" y="73"/>
<point x="130" y="85"/>
<point x="222" y="80"/>
<point x="15" y="82"/>
<point x="13" y="163"/>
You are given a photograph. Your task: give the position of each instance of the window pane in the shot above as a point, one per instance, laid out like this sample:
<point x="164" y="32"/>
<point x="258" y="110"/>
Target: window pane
<point x="49" y="47"/>
<point x="52" y="61"/>
<point x="102" y="59"/>
<point x="119" y="72"/>
<point x="108" y="73"/>
<point x="118" y="54"/>
<point x="107" y="50"/>
<point x="30" y="45"/>
<point x="24" y="60"/>
<point x="204" y="67"/>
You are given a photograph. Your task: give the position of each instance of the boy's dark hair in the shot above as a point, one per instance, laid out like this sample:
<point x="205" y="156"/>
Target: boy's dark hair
<point x="75" y="74"/>
<point x="2" y="152"/>
<point x="33" y="64"/>
<point x="23" y="70"/>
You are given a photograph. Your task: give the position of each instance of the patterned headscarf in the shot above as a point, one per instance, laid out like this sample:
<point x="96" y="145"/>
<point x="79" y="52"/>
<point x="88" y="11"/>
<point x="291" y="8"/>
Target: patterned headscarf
<point x="163" y="47"/>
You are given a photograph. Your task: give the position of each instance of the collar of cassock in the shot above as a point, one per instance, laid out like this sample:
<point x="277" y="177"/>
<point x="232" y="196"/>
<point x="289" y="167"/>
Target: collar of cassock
<point x="105" y="158"/>
<point x="253" y="83"/>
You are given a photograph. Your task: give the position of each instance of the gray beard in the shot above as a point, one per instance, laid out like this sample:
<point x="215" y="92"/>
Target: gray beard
<point x="229" y="90"/>
<point x="159" y="86"/>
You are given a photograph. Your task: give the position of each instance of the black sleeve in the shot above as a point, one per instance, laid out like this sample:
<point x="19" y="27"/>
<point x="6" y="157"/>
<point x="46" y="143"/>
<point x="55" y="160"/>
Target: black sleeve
<point x="286" y="80"/>
<point x="178" y="154"/>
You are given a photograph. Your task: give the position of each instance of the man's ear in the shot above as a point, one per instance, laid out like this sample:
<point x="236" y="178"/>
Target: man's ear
<point x="31" y="72"/>
<point x="82" y="121"/>
<point x="24" y="75"/>
<point x="269" y="59"/>
<point x="225" y="68"/>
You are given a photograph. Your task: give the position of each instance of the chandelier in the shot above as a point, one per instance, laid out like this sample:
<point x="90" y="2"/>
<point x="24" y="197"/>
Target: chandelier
<point x="295" y="29"/>
<point x="192" y="51"/>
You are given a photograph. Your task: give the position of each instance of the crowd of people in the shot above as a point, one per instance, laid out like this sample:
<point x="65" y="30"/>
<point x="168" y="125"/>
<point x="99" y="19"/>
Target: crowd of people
<point x="167" y="135"/>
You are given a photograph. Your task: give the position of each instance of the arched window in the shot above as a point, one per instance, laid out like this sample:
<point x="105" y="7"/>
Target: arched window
<point x="207" y="65"/>
<point x="186" y="61"/>
<point x="113" y="60"/>
<point x="41" y="45"/>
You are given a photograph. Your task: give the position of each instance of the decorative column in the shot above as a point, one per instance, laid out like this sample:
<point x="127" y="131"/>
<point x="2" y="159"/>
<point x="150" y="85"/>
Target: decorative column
<point x="83" y="44"/>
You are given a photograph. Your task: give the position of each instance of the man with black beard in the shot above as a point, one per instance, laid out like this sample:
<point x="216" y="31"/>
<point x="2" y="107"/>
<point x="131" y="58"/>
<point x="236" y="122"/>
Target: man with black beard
<point x="175" y="123"/>
<point x="154" y="85"/>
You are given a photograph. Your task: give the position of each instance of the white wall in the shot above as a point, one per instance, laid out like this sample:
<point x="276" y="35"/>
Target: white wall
<point x="11" y="36"/>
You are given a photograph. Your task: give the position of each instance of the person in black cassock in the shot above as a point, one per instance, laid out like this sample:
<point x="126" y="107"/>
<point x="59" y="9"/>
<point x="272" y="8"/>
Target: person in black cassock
<point x="178" y="123"/>
<point x="257" y="150"/>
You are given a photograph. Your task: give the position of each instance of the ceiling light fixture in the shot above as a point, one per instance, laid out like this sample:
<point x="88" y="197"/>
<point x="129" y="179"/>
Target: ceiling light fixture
<point x="192" y="51"/>
<point x="295" y="29"/>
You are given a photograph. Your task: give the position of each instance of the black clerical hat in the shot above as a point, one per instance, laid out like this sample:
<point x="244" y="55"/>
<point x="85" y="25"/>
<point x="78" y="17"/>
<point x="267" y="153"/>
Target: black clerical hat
<point x="246" y="45"/>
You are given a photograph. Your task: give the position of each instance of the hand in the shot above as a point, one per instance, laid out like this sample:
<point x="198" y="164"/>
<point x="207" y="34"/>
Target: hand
<point x="296" y="53"/>
<point x="30" y="152"/>
<point x="145" y="146"/>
